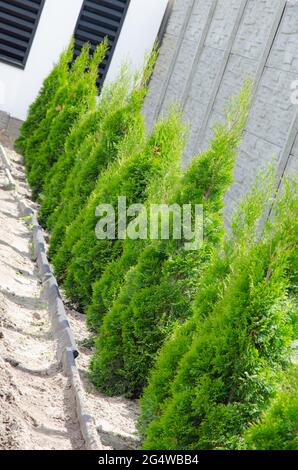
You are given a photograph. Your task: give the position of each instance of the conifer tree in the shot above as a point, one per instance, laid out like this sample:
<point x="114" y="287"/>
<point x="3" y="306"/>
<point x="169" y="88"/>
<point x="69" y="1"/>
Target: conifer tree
<point x="159" y="289"/>
<point x="61" y="246"/>
<point x="95" y="156"/>
<point x="106" y="289"/>
<point x="238" y="353"/>
<point x="81" y="141"/>
<point x="277" y="429"/>
<point x="81" y="95"/>
<point x="243" y="233"/>
<point x="96" y="153"/>
<point x="130" y="178"/>
<point x="58" y="101"/>
<point x="40" y="106"/>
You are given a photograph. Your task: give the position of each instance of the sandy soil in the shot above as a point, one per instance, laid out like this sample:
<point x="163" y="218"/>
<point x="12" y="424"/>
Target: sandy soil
<point x="114" y="415"/>
<point x="36" y="409"/>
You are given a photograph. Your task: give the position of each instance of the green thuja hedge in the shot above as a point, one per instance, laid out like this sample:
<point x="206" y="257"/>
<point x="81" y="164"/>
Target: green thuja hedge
<point x="40" y="135"/>
<point x="159" y="289"/>
<point x="214" y="277"/>
<point x="40" y="106"/>
<point x="94" y="157"/>
<point x="278" y="427"/>
<point x="131" y="177"/>
<point x="76" y="98"/>
<point x="61" y="248"/>
<point x="121" y="113"/>
<point x="79" y="144"/>
<point x="57" y="176"/>
<point x="233" y="364"/>
<point x="106" y="288"/>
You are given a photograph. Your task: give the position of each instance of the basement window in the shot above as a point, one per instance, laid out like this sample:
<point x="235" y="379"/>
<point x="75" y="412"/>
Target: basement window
<point x="99" y="19"/>
<point x="18" y="23"/>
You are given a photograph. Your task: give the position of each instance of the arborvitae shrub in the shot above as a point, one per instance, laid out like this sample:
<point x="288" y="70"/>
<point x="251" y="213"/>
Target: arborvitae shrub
<point x="278" y="427"/>
<point x="81" y="94"/>
<point x="80" y="143"/>
<point x="93" y="159"/>
<point x="237" y="354"/>
<point x="159" y="289"/>
<point x="58" y="101"/>
<point x="58" y="174"/>
<point x="40" y="106"/>
<point x="66" y="232"/>
<point x="216" y="273"/>
<point x="106" y="288"/>
<point x="131" y="178"/>
<point x="120" y="115"/>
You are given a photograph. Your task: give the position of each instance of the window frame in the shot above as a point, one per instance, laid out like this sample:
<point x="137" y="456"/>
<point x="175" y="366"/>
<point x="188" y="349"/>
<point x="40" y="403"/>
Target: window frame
<point x="112" y="49"/>
<point x="14" y="62"/>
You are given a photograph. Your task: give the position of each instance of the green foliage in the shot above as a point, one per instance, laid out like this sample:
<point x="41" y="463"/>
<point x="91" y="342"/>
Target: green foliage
<point x="93" y="159"/>
<point x="72" y="100"/>
<point x="56" y="177"/>
<point x="132" y="143"/>
<point x="106" y="288"/>
<point x="210" y="286"/>
<point x="80" y="143"/>
<point x="207" y="333"/>
<point x="39" y="108"/>
<point x="233" y="362"/>
<point x="160" y="287"/>
<point x="278" y="427"/>
<point x="130" y="177"/>
<point x="121" y="113"/>
<point x="56" y="104"/>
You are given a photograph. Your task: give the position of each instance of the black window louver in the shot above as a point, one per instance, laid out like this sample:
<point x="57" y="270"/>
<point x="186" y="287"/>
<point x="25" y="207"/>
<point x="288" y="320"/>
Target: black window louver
<point x="18" y="24"/>
<point x="98" y="19"/>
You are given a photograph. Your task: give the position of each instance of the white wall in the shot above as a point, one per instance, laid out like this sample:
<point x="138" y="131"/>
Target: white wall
<point x="138" y="33"/>
<point x="18" y="88"/>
